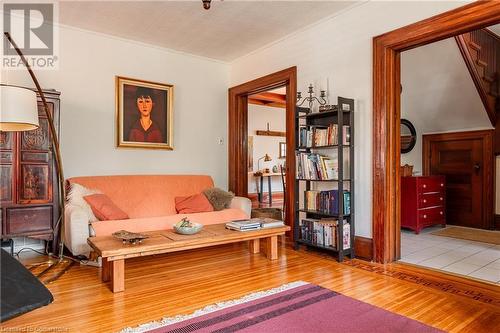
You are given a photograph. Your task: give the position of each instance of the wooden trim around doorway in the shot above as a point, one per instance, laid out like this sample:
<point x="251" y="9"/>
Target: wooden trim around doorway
<point x="386" y="111"/>
<point x="238" y="132"/>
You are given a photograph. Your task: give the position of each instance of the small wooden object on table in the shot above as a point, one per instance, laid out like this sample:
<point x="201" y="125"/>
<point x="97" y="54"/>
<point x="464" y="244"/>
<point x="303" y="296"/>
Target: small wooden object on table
<point x="114" y="252"/>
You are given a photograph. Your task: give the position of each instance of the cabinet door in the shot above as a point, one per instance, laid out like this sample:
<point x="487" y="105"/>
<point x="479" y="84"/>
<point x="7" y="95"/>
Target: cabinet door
<point x="7" y="158"/>
<point x="35" y="166"/>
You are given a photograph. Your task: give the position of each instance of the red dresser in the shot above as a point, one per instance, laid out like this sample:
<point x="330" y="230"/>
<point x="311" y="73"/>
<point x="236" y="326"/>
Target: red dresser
<point x="422" y="202"/>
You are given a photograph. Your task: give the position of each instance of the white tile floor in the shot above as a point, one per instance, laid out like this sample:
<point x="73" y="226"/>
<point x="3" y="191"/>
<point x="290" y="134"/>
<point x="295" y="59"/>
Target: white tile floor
<point x="476" y="259"/>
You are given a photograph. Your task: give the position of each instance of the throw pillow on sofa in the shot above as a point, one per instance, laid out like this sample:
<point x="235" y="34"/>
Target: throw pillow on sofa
<point x="219" y="199"/>
<point x="75" y="197"/>
<point x="197" y="203"/>
<point x="105" y="209"/>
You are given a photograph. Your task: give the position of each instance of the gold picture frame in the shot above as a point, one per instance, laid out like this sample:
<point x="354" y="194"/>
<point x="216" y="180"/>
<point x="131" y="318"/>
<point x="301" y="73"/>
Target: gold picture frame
<point x="144" y="114"/>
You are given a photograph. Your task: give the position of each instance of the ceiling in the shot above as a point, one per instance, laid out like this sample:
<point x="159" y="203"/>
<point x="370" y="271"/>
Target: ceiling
<point x="268" y="99"/>
<point x="230" y="29"/>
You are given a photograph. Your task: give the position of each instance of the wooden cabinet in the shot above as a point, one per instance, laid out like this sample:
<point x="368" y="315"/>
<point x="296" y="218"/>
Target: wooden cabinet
<point x="28" y="201"/>
<point x="423" y="201"/>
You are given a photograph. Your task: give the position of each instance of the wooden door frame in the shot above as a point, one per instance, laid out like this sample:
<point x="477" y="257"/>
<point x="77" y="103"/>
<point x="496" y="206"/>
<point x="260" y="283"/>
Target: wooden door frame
<point x="238" y="132"/>
<point x="386" y="111"/>
<point x="488" y="164"/>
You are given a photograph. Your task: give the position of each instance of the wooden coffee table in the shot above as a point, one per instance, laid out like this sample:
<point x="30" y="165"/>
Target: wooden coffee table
<point x="114" y="252"/>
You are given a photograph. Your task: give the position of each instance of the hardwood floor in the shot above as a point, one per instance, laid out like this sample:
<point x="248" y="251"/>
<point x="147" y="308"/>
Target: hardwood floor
<point x="179" y="283"/>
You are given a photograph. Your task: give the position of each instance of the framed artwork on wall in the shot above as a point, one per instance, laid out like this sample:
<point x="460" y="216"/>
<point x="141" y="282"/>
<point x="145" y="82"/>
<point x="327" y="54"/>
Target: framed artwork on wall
<point x="144" y="114"/>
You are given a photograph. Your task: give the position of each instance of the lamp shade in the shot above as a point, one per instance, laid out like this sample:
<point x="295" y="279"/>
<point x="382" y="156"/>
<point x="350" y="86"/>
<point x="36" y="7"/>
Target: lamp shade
<point x="18" y="109"/>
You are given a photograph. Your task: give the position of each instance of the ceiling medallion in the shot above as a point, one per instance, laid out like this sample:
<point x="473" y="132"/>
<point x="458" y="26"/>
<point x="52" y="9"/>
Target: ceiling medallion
<point x="206" y="4"/>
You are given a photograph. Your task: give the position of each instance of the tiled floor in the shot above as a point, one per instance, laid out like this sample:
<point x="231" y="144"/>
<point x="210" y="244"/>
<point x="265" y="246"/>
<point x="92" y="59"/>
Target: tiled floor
<point x="476" y="259"/>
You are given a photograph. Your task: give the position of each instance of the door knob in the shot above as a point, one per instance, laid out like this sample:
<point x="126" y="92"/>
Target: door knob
<point x="477" y="167"/>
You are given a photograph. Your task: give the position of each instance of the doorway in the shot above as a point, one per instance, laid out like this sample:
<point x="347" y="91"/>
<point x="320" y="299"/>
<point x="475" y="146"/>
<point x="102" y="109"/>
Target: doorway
<point x="466" y="161"/>
<point x="386" y="107"/>
<point x="238" y="144"/>
<point x="267" y="150"/>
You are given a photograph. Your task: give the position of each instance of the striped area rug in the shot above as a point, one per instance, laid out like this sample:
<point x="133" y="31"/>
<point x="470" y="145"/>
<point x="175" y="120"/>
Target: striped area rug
<point x="297" y="307"/>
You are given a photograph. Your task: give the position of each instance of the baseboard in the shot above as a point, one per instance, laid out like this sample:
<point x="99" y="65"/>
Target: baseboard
<point x="497" y="222"/>
<point x="363" y="247"/>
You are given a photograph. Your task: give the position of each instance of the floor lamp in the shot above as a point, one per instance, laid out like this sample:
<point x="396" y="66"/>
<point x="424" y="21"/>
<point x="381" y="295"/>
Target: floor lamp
<point x="19" y="112"/>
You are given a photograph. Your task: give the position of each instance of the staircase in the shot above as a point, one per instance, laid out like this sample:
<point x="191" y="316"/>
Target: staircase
<point x="481" y="52"/>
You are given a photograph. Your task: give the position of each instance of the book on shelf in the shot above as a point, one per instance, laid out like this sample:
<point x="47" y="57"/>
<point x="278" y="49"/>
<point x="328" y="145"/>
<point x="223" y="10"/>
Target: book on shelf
<point x="318" y="136"/>
<point x="254" y="224"/>
<point x="326" y="202"/>
<point x="316" y="166"/>
<point x="323" y="232"/>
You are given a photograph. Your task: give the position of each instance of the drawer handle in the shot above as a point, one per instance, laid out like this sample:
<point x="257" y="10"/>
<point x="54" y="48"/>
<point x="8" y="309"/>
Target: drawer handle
<point x="441" y="213"/>
<point x="425" y="186"/>
<point x="425" y="216"/>
<point x="442" y="184"/>
<point x="441" y="198"/>
<point x="425" y="201"/>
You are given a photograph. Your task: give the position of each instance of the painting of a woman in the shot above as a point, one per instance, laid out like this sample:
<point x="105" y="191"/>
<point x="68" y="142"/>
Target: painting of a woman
<point x="144" y="111"/>
<point x="145" y="129"/>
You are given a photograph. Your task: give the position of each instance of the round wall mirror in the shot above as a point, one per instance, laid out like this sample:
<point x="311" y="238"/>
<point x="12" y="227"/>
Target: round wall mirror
<point x="408" y="136"/>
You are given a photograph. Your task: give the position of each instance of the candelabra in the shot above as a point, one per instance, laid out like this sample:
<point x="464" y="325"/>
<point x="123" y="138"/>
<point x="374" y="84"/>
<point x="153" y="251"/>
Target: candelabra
<point x="311" y="99"/>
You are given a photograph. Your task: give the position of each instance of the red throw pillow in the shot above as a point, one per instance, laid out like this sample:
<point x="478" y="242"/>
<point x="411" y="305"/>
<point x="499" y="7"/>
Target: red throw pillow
<point x="105" y="209"/>
<point x="197" y="203"/>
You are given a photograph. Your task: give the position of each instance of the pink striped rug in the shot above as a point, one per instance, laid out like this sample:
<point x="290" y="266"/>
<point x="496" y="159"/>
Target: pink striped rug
<point x="294" y="308"/>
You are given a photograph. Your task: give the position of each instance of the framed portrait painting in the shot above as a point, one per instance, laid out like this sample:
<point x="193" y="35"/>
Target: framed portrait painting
<point x="144" y="114"/>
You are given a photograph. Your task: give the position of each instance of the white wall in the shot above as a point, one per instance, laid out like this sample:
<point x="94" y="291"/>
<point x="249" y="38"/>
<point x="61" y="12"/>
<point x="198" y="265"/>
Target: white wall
<point x="88" y="65"/>
<point x="258" y="117"/>
<point x="438" y="95"/>
<point x="338" y="53"/>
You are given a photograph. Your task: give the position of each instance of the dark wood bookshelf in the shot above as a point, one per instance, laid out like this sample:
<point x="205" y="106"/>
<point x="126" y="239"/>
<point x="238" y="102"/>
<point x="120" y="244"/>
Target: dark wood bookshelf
<point x="304" y="118"/>
<point x="323" y="147"/>
<point x="323" y="114"/>
<point x="321" y="213"/>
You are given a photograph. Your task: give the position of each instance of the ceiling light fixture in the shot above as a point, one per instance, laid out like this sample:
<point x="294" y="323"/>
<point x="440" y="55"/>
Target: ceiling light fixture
<point x="206" y="4"/>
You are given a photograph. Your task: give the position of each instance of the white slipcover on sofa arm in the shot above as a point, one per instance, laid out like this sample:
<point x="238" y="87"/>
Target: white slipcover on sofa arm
<point x="76" y="230"/>
<point x="242" y="203"/>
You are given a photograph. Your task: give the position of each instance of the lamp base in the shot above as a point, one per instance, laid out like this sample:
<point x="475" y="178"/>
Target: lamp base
<point x="50" y="270"/>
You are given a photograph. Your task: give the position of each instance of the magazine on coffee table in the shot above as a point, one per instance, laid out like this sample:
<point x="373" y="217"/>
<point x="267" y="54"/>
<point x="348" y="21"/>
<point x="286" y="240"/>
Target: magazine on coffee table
<point x="254" y="224"/>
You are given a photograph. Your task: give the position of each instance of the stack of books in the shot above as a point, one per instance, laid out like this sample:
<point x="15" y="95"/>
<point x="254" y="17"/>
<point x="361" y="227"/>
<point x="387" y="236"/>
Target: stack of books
<point x="324" y="232"/>
<point x="254" y="224"/>
<point x="327" y="202"/>
<point x="271" y="223"/>
<point x="318" y="136"/>
<point x="317" y="167"/>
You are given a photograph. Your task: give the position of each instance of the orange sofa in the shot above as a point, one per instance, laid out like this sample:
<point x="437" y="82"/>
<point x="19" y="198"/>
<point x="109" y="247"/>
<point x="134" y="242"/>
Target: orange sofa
<point x="149" y="202"/>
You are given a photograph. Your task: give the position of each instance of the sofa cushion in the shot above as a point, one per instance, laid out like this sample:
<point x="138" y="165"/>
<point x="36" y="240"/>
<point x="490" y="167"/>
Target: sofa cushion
<point x="146" y="195"/>
<point x="104" y="228"/>
<point x="75" y="197"/>
<point x="105" y="209"/>
<point x="219" y="199"/>
<point x="197" y="203"/>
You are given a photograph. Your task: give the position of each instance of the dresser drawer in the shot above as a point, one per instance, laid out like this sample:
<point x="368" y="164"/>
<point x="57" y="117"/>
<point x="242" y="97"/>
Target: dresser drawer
<point x="26" y="220"/>
<point x="428" y="184"/>
<point x="431" y="216"/>
<point x="431" y="200"/>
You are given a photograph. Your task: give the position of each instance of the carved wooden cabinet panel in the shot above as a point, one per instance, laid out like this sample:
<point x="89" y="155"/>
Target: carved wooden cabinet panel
<point x="28" y="202"/>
